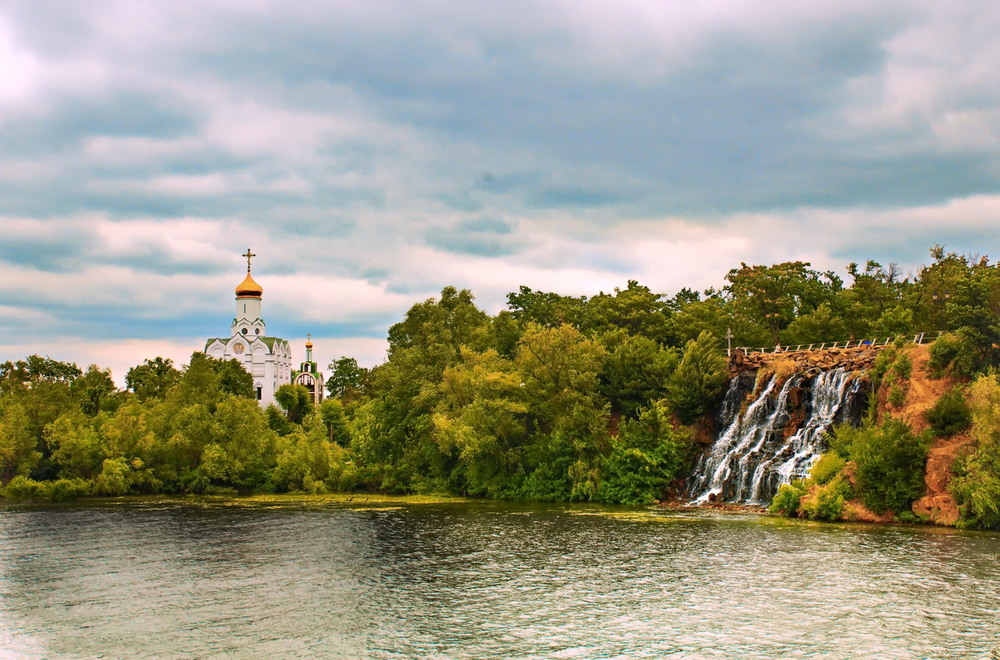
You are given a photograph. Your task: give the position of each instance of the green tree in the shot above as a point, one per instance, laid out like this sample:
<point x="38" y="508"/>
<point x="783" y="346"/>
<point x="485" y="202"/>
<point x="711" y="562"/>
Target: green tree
<point x="305" y="458"/>
<point x="152" y="379"/>
<point x="199" y="383"/>
<point x="635" y="309"/>
<point x="95" y="390"/>
<point x="776" y="295"/>
<point x="75" y="445"/>
<point x="405" y="390"/>
<point x="634" y="372"/>
<point x="241" y="451"/>
<point x="332" y="413"/>
<point x="559" y="368"/>
<point x="865" y="306"/>
<point x="481" y="420"/>
<point x="819" y="325"/>
<point x="295" y="400"/>
<point x="698" y="381"/>
<point x="546" y="309"/>
<point x="41" y="386"/>
<point x="18" y="455"/>
<point x="346" y="380"/>
<point x="234" y="379"/>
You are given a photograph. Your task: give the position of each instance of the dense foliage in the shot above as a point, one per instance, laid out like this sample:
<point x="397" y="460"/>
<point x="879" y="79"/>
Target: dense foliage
<point x="977" y="486"/>
<point x="555" y="397"/>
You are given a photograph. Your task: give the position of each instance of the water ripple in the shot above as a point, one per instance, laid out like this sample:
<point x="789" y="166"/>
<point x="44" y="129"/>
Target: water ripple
<point x="480" y="580"/>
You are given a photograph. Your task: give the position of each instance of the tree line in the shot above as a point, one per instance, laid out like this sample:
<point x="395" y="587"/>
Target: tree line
<point x="555" y="397"/>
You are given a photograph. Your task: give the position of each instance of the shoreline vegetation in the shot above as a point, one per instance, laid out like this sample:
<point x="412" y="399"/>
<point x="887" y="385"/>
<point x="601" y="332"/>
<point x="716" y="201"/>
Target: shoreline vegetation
<point x="609" y="399"/>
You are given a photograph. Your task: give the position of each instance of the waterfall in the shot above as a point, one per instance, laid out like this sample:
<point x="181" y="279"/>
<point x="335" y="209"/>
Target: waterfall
<point x="776" y="439"/>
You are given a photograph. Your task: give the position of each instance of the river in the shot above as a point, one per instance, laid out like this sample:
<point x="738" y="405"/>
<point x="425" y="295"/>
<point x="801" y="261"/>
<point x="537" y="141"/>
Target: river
<point x="326" y="578"/>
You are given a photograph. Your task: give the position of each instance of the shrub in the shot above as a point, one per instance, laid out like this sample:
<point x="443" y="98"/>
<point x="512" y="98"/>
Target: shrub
<point x="897" y="396"/>
<point x="943" y="352"/>
<point x="902" y="366"/>
<point x="644" y="459"/>
<point x="890" y="462"/>
<point x="114" y="478"/>
<point x="977" y="485"/>
<point x="958" y="351"/>
<point x="950" y="415"/>
<point x="826" y="502"/>
<point x="62" y="490"/>
<point x="23" y="488"/>
<point x="826" y="468"/>
<point x="786" y="501"/>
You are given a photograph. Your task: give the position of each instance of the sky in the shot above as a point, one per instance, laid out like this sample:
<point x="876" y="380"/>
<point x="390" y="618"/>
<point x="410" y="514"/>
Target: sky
<point x="371" y="153"/>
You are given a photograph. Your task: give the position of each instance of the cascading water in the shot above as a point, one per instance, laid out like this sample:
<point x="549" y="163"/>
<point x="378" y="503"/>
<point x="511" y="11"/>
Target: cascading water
<point x="767" y="445"/>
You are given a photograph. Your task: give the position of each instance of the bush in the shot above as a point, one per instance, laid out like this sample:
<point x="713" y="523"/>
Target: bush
<point x="23" y="488"/>
<point x="958" y="351"/>
<point x="644" y="459"/>
<point x="977" y="485"/>
<point x="950" y="415"/>
<point x="786" y="501"/>
<point x="826" y="468"/>
<point x="943" y="352"/>
<point x="897" y="396"/>
<point x="826" y="502"/>
<point x="902" y="367"/>
<point x="890" y="462"/>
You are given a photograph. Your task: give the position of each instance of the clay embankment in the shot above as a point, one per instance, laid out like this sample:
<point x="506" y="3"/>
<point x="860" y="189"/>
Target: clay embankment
<point x="924" y="391"/>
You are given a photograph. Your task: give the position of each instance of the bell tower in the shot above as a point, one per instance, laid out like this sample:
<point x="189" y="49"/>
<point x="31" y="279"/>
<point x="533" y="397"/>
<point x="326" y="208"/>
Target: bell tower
<point x="248" y="320"/>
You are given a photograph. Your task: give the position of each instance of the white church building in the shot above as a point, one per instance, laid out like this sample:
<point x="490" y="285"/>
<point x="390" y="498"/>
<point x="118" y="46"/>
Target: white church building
<point x="267" y="359"/>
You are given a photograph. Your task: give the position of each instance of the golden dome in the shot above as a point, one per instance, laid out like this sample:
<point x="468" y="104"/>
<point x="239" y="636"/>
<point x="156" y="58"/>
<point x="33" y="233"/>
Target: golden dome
<point x="249" y="289"/>
<point x="309" y="344"/>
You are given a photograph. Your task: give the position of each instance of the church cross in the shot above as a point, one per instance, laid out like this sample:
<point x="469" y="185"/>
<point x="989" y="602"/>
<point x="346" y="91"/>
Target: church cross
<point x="249" y="255"/>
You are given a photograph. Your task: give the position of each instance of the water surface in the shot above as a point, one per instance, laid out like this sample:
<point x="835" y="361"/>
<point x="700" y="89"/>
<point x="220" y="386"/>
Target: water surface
<point x="477" y="580"/>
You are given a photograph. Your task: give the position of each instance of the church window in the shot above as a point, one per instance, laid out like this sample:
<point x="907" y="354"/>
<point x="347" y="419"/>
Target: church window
<point x="256" y="331"/>
<point x="244" y="331"/>
<point x="244" y="308"/>
<point x="260" y="391"/>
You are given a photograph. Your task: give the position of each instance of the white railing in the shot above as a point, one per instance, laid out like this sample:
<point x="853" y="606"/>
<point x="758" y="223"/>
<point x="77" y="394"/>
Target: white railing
<point x="919" y="338"/>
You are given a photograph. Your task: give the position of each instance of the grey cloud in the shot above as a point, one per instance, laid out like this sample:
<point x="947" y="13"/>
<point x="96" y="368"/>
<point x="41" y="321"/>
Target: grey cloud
<point x="62" y="251"/>
<point x="483" y="236"/>
<point x="489" y="113"/>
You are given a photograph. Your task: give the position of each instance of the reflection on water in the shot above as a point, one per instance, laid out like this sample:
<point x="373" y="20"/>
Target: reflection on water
<point x="473" y="580"/>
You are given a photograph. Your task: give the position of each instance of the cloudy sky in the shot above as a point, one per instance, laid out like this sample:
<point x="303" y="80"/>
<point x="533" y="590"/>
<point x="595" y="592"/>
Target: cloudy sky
<point x="373" y="152"/>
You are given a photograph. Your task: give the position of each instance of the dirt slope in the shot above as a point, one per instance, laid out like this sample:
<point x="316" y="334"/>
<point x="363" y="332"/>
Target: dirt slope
<point x="923" y="393"/>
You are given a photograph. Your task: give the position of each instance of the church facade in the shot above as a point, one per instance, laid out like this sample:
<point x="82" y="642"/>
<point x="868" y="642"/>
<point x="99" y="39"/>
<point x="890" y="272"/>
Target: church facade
<point x="267" y="359"/>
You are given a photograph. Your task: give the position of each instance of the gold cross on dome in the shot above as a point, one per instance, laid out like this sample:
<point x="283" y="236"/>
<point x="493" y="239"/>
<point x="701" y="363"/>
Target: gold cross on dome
<point x="249" y="255"/>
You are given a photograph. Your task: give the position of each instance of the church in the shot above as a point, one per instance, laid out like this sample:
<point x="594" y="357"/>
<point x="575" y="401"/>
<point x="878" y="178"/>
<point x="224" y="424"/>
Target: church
<point x="267" y="359"/>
